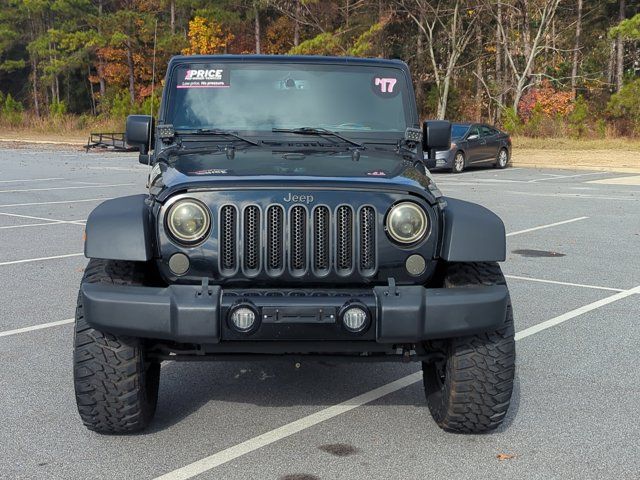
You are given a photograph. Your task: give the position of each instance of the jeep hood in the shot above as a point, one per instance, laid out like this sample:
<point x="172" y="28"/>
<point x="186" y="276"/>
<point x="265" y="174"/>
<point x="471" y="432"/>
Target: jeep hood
<point x="372" y="169"/>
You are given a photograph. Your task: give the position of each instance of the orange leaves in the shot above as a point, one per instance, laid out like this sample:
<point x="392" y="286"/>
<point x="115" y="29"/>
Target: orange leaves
<point x="206" y="36"/>
<point x="505" y="456"/>
<point x="545" y="100"/>
<point x="114" y="69"/>
<point x="279" y="36"/>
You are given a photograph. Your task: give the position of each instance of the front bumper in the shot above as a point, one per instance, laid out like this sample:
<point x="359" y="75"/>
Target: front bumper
<point x="198" y="314"/>
<point x="443" y="159"/>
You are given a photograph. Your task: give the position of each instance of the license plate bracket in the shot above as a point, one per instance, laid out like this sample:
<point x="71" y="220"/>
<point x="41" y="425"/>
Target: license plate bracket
<point x="314" y="315"/>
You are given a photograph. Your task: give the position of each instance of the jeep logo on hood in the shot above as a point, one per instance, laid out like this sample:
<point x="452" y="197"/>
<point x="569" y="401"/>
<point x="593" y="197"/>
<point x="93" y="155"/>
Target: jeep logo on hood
<point x="290" y="197"/>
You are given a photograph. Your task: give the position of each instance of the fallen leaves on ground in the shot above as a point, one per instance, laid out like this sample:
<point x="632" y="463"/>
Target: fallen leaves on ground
<point x="505" y="456"/>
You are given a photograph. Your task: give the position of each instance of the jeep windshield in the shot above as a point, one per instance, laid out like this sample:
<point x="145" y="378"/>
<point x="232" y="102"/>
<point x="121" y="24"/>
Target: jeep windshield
<point x="257" y="98"/>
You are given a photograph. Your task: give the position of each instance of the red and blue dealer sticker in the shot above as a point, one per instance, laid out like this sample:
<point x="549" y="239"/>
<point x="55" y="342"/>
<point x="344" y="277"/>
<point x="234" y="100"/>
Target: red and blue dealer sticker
<point x="204" y="78"/>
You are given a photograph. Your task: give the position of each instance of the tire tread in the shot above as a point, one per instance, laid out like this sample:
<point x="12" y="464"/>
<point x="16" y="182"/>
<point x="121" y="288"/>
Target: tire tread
<point x="110" y="378"/>
<point x="480" y="368"/>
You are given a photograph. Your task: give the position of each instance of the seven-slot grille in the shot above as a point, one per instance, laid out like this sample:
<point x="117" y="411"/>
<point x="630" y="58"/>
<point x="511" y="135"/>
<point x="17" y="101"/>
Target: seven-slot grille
<point x="299" y="240"/>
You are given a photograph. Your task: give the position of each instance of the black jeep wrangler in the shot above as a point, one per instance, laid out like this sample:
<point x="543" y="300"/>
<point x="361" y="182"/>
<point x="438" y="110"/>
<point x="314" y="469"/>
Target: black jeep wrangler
<point x="290" y="212"/>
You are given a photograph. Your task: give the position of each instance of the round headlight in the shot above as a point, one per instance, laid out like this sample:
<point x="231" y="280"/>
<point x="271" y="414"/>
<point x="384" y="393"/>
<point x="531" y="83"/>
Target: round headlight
<point x="407" y="222"/>
<point x="188" y="221"/>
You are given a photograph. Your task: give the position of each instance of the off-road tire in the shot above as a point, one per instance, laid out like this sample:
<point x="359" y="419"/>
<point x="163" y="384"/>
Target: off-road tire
<point x="457" y="166"/>
<point x="116" y="386"/>
<point x="470" y="390"/>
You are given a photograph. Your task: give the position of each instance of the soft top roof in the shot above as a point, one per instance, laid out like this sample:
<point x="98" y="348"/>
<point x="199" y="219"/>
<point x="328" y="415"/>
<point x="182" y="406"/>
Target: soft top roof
<point x="287" y="59"/>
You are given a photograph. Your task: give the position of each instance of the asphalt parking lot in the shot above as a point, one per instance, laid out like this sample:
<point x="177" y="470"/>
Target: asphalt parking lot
<point x="573" y="268"/>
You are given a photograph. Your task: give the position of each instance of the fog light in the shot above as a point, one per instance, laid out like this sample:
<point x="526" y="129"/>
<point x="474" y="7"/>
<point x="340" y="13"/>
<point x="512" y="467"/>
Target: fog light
<point x="243" y="318"/>
<point x="355" y="319"/>
<point x="179" y="263"/>
<point x="416" y="264"/>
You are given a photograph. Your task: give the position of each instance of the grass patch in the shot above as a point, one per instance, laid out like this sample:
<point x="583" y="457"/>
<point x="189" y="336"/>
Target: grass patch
<point x="619" y="144"/>
<point x="62" y="128"/>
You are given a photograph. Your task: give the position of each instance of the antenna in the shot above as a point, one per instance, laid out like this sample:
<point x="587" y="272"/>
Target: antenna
<point x="153" y="84"/>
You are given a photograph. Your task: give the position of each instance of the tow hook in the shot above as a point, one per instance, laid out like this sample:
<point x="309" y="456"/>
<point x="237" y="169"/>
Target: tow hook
<point x="204" y="288"/>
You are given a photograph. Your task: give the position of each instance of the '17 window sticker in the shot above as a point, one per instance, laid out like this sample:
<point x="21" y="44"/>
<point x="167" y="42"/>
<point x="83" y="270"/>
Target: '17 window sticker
<point x="205" y="78"/>
<point x="385" y="86"/>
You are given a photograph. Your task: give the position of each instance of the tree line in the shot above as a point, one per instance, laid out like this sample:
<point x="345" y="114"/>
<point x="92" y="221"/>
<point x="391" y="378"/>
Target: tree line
<point x="532" y="66"/>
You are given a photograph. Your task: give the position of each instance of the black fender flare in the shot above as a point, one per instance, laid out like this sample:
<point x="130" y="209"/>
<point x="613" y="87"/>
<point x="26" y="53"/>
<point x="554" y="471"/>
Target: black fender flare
<point x="120" y="229"/>
<point x="472" y="233"/>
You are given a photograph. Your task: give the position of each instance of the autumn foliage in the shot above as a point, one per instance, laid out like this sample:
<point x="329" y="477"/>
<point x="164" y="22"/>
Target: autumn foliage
<point x="545" y="100"/>
<point x="206" y="37"/>
<point x="470" y="60"/>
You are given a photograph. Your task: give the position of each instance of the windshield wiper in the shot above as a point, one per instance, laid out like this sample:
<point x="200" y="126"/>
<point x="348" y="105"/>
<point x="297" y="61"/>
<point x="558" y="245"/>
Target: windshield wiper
<point x="317" y="131"/>
<point x="216" y="132"/>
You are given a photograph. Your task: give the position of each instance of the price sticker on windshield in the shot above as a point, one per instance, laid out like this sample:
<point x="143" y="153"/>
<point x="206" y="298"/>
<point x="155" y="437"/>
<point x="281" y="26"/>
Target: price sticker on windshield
<point x="385" y="86"/>
<point x="204" y="78"/>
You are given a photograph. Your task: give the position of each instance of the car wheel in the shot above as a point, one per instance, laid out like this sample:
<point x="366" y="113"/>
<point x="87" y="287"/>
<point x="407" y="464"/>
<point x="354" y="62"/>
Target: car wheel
<point x="116" y="385"/>
<point x="469" y="386"/>
<point x="503" y="158"/>
<point x="458" y="163"/>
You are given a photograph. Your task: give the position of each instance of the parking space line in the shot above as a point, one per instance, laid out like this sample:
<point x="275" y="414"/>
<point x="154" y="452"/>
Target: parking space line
<point x="289" y="429"/>
<point x="569" y="284"/>
<point x="29" y="204"/>
<point x="569" y="195"/>
<point x="30" y="180"/>
<point x="494" y="180"/>
<point x="8" y="227"/>
<point x="8" y="333"/>
<point x="549" y="225"/>
<point x="75" y="187"/>
<point x="527" y="332"/>
<point x="29" y="260"/>
<point x="559" y="177"/>
<point x="52" y="220"/>
<point x="272" y="436"/>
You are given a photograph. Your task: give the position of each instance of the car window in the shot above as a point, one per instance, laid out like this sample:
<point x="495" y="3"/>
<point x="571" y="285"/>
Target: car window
<point x="458" y="131"/>
<point x="474" y="131"/>
<point x="487" y="132"/>
<point x="264" y="95"/>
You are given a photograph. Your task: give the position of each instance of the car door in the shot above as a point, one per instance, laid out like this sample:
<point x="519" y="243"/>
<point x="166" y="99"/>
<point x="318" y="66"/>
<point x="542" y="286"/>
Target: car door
<point x="491" y="142"/>
<point x="474" y="147"/>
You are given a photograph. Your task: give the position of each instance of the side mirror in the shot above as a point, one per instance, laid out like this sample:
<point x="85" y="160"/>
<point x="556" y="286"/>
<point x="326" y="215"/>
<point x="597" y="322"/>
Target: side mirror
<point x="436" y="135"/>
<point x="473" y="137"/>
<point x="139" y="131"/>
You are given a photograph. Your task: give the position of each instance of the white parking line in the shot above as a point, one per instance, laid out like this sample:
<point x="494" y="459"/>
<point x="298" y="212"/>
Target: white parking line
<point x="9" y="227"/>
<point x="569" y="284"/>
<point x="120" y="169"/>
<point x="495" y="180"/>
<point x="30" y="180"/>
<point x="570" y="195"/>
<point x="559" y="177"/>
<point x="52" y="220"/>
<point x="55" y="202"/>
<point x="272" y="436"/>
<point x="8" y="333"/>
<point x="29" y="260"/>
<point x="533" y="229"/>
<point x="66" y="188"/>
<point x="527" y="332"/>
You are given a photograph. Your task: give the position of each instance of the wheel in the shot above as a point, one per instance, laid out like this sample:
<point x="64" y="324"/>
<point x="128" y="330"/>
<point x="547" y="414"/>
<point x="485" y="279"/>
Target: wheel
<point x="503" y="158"/>
<point x="458" y="163"/>
<point x="469" y="390"/>
<point x="116" y="386"/>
